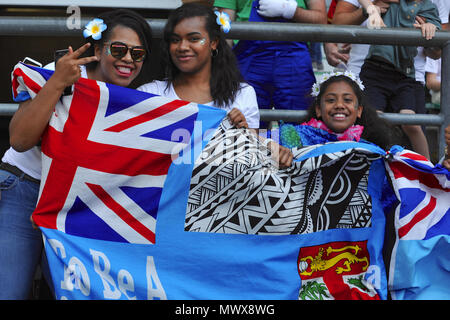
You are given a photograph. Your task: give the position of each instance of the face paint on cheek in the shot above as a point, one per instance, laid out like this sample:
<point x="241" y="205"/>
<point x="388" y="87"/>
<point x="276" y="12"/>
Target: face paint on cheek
<point x="202" y="41"/>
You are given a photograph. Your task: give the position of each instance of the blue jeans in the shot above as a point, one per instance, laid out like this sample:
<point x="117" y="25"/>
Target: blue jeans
<point x="20" y="244"/>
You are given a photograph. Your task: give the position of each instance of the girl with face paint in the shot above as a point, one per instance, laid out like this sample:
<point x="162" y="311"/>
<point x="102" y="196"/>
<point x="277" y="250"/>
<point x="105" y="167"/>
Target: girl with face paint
<point x="339" y="113"/>
<point x="201" y="67"/>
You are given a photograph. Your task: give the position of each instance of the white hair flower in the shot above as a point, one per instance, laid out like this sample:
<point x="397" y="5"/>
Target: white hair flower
<point x="94" y="29"/>
<point x="223" y="20"/>
<point x="315" y="90"/>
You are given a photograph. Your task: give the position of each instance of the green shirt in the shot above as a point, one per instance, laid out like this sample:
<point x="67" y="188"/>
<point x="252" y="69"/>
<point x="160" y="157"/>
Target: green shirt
<point x="244" y="7"/>
<point x="403" y="15"/>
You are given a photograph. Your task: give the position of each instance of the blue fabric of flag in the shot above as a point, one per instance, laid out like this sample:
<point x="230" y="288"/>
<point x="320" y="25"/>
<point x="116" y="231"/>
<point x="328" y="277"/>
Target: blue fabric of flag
<point x="202" y="265"/>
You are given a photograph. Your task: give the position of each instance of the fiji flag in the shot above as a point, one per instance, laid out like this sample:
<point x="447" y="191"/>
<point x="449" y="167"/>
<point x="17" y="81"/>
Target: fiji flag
<point x="146" y="198"/>
<point x="420" y="265"/>
<point x="106" y="156"/>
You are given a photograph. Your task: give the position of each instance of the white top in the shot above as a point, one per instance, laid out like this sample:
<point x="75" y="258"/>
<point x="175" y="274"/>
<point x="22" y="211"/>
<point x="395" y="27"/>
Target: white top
<point x="359" y="52"/>
<point x="30" y="160"/>
<point x="434" y="66"/>
<point x="245" y="99"/>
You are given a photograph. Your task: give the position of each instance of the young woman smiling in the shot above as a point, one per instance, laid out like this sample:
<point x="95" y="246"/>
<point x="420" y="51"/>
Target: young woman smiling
<point x="339" y="113"/>
<point x="117" y="47"/>
<point x="201" y="67"/>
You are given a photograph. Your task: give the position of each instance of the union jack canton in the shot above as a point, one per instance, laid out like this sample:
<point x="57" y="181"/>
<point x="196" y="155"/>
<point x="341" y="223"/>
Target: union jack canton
<point x="108" y="159"/>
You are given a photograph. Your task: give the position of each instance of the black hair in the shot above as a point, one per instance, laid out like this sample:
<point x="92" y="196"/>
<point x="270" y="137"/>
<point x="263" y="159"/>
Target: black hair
<point x="225" y="75"/>
<point x="122" y="17"/>
<point x="376" y="129"/>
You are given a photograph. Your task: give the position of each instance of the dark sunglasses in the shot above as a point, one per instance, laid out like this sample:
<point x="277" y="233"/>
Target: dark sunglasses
<point x="119" y="50"/>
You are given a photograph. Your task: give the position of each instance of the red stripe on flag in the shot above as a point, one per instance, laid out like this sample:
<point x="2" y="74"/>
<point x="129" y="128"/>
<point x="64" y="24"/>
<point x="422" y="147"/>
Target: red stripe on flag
<point x="121" y="212"/>
<point x="54" y="145"/>
<point x="401" y="170"/>
<point x="31" y="84"/>
<point x="158" y="112"/>
<point x="419" y="216"/>
<point x="415" y="156"/>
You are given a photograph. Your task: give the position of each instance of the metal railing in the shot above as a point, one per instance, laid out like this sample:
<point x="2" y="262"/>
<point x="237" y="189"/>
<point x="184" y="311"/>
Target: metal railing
<point x="56" y="27"/>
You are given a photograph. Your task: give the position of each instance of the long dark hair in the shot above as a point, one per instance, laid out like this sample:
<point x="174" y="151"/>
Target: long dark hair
<point x="376" y="130"/>
<point x="127" y="18"/>
<point x="225" y="75"/>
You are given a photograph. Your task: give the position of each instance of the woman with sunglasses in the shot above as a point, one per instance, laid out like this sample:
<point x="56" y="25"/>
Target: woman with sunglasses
<point x="201" y="67"/>
<point x="116" y="51"/>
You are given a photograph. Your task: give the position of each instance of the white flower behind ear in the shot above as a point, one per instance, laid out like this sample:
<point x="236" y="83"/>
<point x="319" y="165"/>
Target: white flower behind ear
<point x="94" y="29"/>
<point x="223" y="20"/>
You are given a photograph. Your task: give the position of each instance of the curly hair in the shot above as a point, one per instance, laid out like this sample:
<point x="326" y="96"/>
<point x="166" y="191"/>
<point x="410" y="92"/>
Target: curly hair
<point x="225" y="75"/>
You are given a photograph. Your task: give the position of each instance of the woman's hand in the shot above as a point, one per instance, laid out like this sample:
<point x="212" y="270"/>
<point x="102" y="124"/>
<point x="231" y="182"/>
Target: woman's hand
<point x="32" y="117"/>
<point x="237" y="118"/>
<point x="282" y="155"/>
<point x="67" y="69"/>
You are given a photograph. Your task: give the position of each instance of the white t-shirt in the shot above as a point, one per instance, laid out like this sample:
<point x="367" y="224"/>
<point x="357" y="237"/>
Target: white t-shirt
<point x="245" y="99"/>
<point x="30" y="160"/>
<point x="434" y="66"/>
<point x="359" y="51"/>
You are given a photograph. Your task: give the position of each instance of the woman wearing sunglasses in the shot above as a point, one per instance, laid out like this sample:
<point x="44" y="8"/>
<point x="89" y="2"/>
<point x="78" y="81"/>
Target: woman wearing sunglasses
<point x="201" y="67"/>
<point x="116" y="50"/>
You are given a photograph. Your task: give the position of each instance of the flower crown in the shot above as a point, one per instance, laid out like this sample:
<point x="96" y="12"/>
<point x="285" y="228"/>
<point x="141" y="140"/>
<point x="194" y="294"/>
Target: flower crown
<point x="316" y="86"/>
<point x="223" y="20"/>
<point x="94" y="29"/>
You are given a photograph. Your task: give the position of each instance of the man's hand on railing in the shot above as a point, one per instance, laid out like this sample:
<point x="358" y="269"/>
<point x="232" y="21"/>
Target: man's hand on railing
<point x="336" y="53"/>
<point x="374" y="20"/>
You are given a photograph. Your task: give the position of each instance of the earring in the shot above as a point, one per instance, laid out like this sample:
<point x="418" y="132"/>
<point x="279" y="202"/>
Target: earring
<point x="214" y="53"/>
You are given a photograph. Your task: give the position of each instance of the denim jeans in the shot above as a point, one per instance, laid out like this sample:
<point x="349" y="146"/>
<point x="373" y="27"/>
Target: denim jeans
<point x="20" y="244"/>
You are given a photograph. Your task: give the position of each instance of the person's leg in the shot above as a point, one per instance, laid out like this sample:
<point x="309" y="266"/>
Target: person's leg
<point x="407" y="101"/>
<point x="378" y="85"/>
<point x="20" y="244"/>
<point x="416" y="136"/>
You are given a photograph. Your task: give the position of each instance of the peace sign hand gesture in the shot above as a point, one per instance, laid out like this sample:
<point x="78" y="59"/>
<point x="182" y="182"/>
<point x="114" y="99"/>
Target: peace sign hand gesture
<point x="67" y="69"/>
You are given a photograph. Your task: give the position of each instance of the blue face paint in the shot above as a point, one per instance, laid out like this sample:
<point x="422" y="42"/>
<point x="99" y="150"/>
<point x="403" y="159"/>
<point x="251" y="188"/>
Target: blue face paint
<point x="202" y="41"/>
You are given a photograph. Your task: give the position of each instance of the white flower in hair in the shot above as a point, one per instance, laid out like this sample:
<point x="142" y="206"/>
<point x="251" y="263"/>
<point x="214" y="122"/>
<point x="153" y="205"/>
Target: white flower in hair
<point x="315" y="90"/>
<point x="94" y="28"/>
<point x="223" y="20"/>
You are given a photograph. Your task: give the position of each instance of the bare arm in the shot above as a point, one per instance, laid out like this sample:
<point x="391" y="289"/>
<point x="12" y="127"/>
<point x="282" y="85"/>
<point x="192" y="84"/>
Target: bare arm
<point x="432" y="82"/>
<point x="348" y="14"/>
<point x="335" y="55"/>
<point x="316" y="13"/>
<point x="31" y="118"/>
<point x="231" y="13"/>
